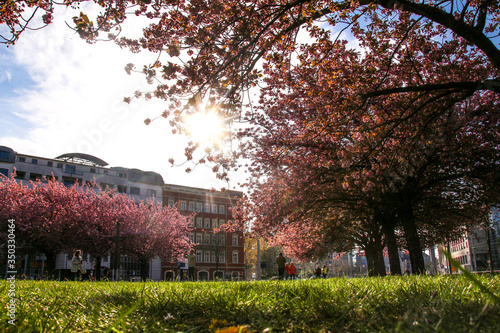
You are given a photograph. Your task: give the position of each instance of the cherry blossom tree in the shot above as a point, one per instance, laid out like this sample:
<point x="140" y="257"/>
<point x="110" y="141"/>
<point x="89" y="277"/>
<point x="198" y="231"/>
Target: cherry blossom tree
<point x="51" y="218"/>
<point x="153" y="230"/>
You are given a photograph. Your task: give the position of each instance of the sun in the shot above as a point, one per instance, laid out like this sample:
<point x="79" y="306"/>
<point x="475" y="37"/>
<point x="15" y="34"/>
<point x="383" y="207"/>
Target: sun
<point x="204" y="128"/>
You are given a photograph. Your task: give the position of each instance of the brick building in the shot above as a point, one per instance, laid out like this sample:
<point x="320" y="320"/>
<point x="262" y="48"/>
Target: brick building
<point x="219" y="253"/>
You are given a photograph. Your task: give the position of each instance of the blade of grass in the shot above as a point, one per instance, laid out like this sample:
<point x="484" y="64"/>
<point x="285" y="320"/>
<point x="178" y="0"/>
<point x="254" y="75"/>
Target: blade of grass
<point x="471" y="276"/>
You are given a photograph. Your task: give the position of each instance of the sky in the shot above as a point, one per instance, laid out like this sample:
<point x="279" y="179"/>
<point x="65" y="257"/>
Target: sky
<point x="60" y="95"/>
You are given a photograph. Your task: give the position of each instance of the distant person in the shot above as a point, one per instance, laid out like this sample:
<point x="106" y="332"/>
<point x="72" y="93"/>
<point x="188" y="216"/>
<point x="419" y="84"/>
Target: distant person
<point x="76" y="264"/>
<point x="292" y="270"/>
<point x="105" y="274"/>
<point x="281" y="262"/>
<point x="191" y="265"/>
<point x="287" y="271"/>
<point x="317" y="272"/>
<point x="324" y="271"/>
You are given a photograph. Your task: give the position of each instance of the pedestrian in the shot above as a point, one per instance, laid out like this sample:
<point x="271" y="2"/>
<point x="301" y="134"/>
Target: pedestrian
<point x="324" y="271"/>
<point x="317" y="272"/>
<point x="287" y="271"/>
<point x="281" y="261"/>
<point x="191" y="265"/>
<point x="105" y="274"/>
<point x="292" y="270"/>
<point x="76" y="264"/>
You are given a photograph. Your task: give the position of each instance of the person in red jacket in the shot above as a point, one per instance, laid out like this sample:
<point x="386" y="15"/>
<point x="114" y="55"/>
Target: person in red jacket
<point x="292" y="270"/>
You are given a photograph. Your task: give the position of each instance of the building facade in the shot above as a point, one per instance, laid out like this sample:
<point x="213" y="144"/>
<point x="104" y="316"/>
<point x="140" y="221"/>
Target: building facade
<point x="219" y="253"/>
<point x="478" y="250"/>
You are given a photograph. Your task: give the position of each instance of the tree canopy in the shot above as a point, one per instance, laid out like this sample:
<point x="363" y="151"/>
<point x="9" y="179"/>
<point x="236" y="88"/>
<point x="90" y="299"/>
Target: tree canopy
<point x="51" y="218"/>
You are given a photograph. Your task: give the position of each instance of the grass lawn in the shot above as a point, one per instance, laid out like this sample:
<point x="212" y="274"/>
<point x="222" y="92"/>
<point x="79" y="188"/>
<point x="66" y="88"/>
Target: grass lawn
<point x="390" y="304"/>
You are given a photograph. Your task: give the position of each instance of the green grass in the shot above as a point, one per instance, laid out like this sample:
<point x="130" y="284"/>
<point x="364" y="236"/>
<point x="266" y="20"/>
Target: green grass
<point x="391" y="304"/>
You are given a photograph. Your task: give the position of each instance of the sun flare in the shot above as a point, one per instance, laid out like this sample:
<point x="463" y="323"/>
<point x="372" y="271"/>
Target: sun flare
<point x="204" y="127"/>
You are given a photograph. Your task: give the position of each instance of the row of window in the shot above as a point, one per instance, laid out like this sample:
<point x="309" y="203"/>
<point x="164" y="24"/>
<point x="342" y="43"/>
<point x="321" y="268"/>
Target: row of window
<point x="69" y="181"/>
<point x="68" y="168"/>
<point x="211" y="239"/>
<point x="462" y="260"/>
<point x="207" y="223"/>
<point x="199" y="206"/>
<point x="211" y="257"/>
<point x="459" y="246"/>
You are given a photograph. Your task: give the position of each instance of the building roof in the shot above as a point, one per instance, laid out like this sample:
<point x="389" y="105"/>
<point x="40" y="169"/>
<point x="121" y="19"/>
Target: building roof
<point x="82" y="159"/>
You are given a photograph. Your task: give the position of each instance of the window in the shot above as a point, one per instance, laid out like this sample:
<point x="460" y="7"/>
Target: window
<point x="191" y="206"/>
<point x="34" y="161"/>
<point x="198" y="256"/>
<point x="214" y="257"/>
<point x="235" y="256"/>
<point x="35" y="176"/>
<point x="122" y="175"/>
<point x="207" y="224"/>
<point x="183" y="205"/>
<point x="92" y="170"/>
<point x="190" y="222"/>
<point x="198" y="207"/>
<point x="135" y="190"/>
<point x="191" y="238"/>
<point x="22" y="159"/>
<point x="207" y="208"/>
<point x="20" y="175"/>
<point x="171" y="203"/>
<point x="59" y="165"/>
<point x="5" y="172"/>
<point x="207" y="256"/>
<point x="106" y="172"/>
<point x="214" y="239"/>
<point x="198" y="238"/>
<point x="214" y="223"/>
<point x="4" y="155"/>
<point x="222" y="209"/>
<point x="121" y="189"/>
<point x="199" y="222"/>
<point x="214" y="208"/>
<point x="222" y="257"/>
<point x="151" y="193"/>
<point x="70" y="169"/>
<point x="222" y="240"/>
<point x="50" y="163"/>
<point x="207" y="239"/>
<point x="221" y="223"/>
<point x="235" y="240"/>
<point x="105" y="186"/>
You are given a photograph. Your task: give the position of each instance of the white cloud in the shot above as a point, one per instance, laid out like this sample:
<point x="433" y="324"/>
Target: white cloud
<point x="77" y="105"/>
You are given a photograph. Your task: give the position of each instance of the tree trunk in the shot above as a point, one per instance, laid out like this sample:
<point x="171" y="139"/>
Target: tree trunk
<point x="98" y="261"/>
<point x="144" y="268"/>
<point x="50" y="264"/>
<point x="412" y="239"/>
<point x="379" y="260"/>
<point x="392" y="247"/>
<point x="370" y="263"/>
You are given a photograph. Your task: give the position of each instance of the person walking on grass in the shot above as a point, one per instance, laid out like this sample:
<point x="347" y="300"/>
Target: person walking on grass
<point x="76" y="264"/>
<point x="191" y="265"/>
<point x="281" y="262"/>
<point x="324" y="271"/>
<point x="292" y="270"/>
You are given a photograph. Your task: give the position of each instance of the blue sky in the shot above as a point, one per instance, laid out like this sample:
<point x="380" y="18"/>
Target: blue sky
<point x="59" y="94"/>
